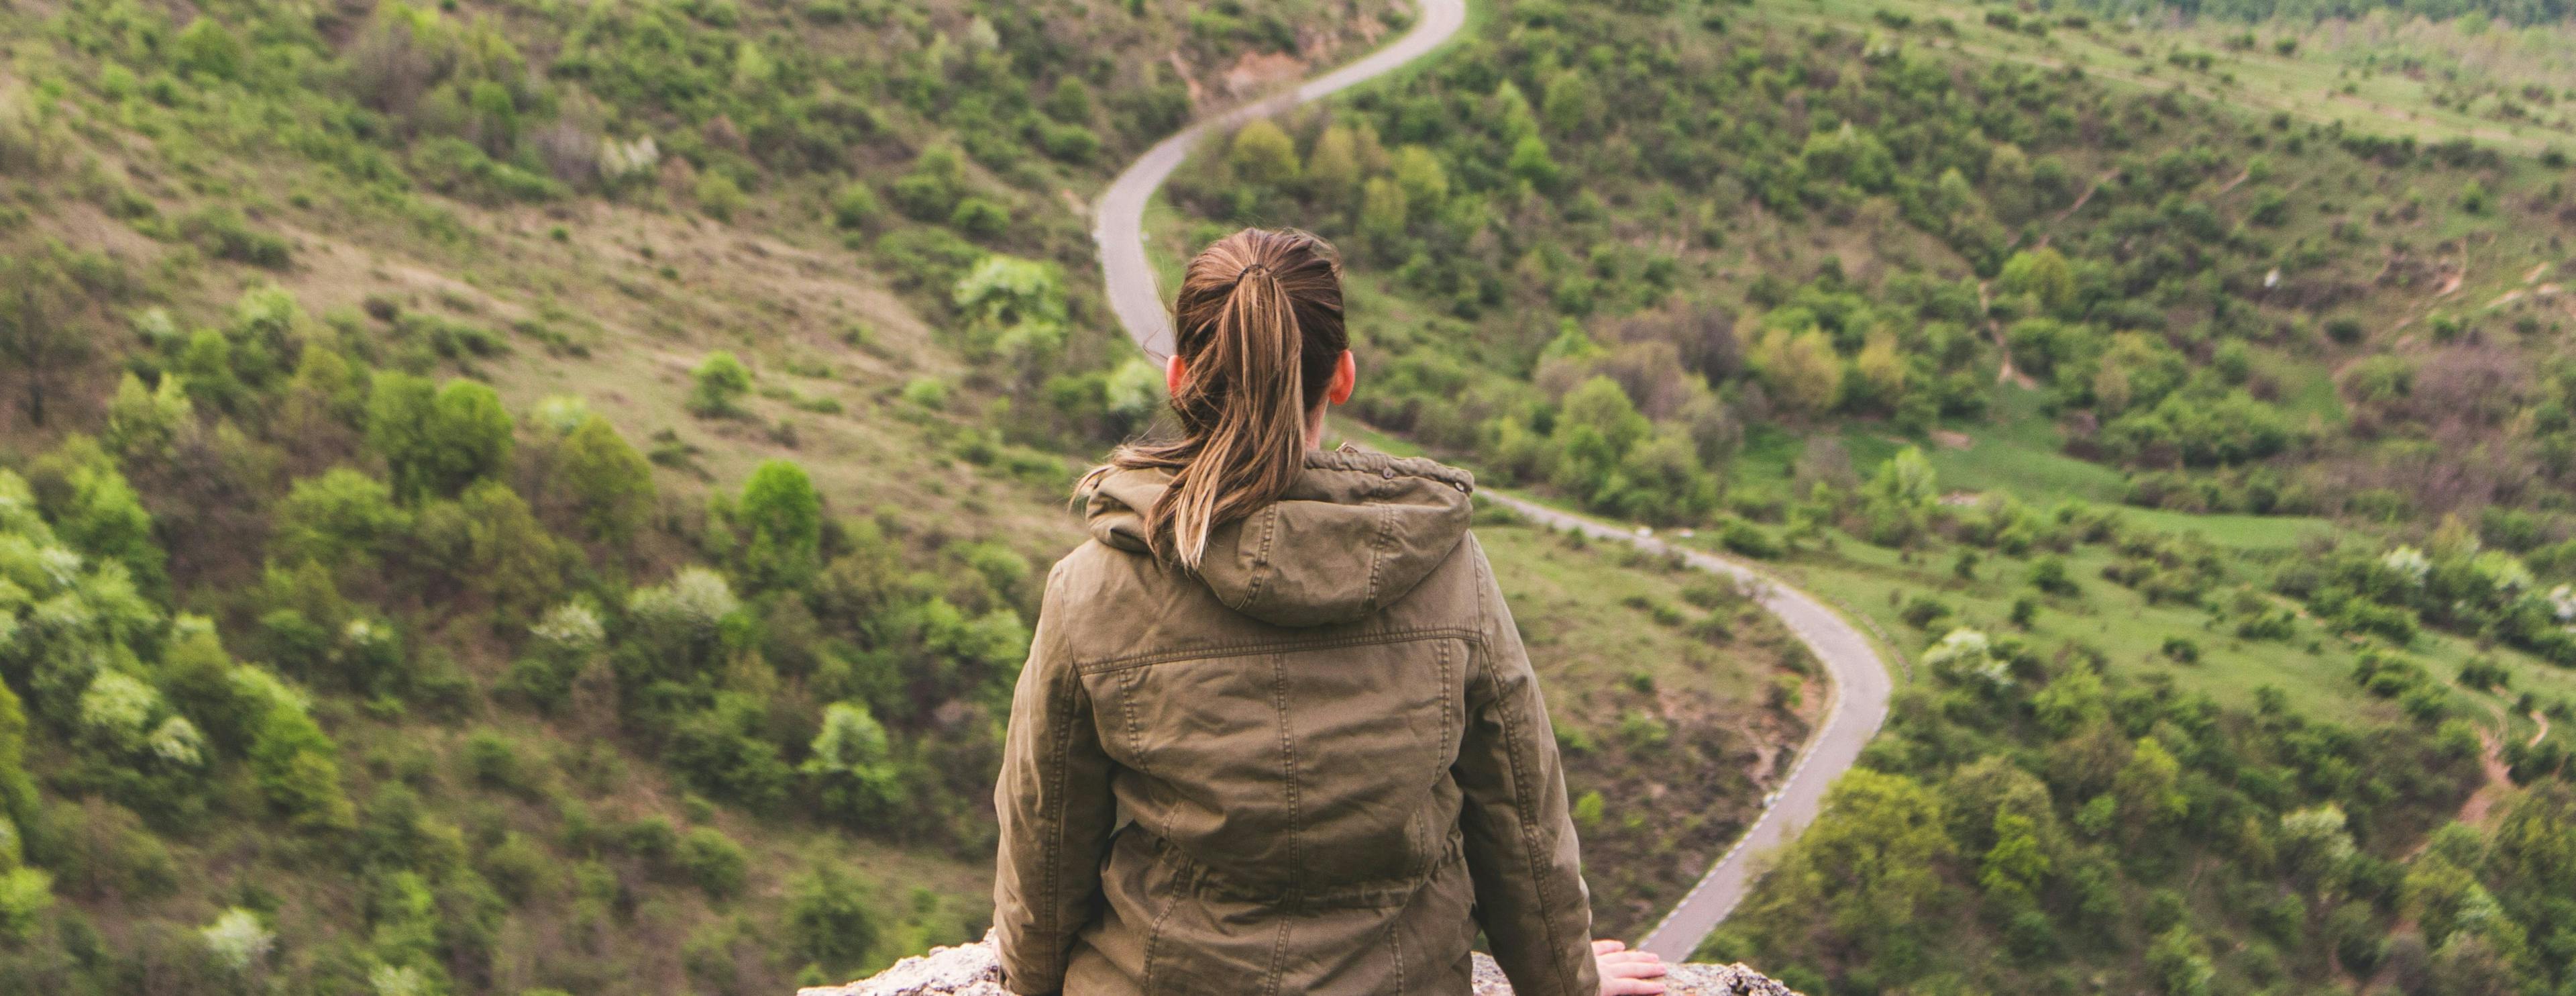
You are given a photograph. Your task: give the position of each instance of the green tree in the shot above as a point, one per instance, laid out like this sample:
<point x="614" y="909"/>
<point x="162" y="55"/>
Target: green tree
<point x="1801" y="369"/>
<point x="785" y="518"/>
<point x="17" y="788"/>
<point x="717" y="385"/>
<point x="207" y="47"/>
<point x="294" y="763"/>
<point x="1263" y="155"/>
<point x="1334" y="167"/>
<point x="855" y="205"/>
<point x="1531" y="161"/>
<point x="1424" y="181"/>
<point x="490" y="542"/>
<point x="1014" y="307"/>
<point x="2180" y="961"/>
<point x="2043" y="274"/>
<point x="609" y="482"/>
<point x="97" y="511"/>
<point x="850" y="761"/>
<point x="2016" y="864"/>
<point x="142" y="423"/>
<point x="1383" y="211"/>
<point x="831" y="918"/>
<point x="339" y="518"/>
<point x="1595" y="428"/>
<point x="1571" y="103"/>
<point x="1870" y="864"/>
<point x="437" y="442"/>
<point x="39" y="340"/>
<point x="2150" y="786"/>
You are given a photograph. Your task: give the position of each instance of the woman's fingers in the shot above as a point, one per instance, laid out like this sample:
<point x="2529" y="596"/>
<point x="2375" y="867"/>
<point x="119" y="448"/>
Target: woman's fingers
<point x="1625" y="972"/>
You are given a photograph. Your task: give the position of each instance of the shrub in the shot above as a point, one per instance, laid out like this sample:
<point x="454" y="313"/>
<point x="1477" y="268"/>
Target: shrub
<point x="223" y="232"/>
<point x="1747" y="539"/>
<point x="713" y="862"/>
<point x="437" y="442"/>
<point x="927" y="392"/>
<point x="25" y="895"/>
<point x="718" y="383"/>
<point x="718" y="195"/>
<point x="1923" y="611"/>
<point x="855" y="205"/>
<point x="979" y="217"/>
<point x="785" y="517"/>
<point x="608" y="480"/>
<point x="831" y="918"/>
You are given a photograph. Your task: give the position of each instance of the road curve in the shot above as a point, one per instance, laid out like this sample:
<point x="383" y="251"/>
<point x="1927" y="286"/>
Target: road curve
<point x="1860" y="682"/>
<point x="1119" y="227"/>
<point x="1860" y="691"/>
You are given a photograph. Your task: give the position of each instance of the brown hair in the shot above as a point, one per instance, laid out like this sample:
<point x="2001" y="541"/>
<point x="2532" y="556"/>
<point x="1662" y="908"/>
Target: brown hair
<point x="1258" y="323"/>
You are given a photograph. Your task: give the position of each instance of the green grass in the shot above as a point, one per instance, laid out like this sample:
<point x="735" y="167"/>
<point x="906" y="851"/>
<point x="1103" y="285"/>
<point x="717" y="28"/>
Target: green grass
<point x="2312" y="668"/>
<point x="2308" y="85"/>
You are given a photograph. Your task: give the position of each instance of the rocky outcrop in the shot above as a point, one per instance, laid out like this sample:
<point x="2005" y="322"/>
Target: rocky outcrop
<point x="970" y="970"/>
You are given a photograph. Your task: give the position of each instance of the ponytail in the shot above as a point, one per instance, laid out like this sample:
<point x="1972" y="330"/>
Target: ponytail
<point x="1258" y="324"/>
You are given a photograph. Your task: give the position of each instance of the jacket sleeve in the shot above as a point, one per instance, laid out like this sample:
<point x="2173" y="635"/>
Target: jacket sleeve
<point x="1055" y="810"/>
<point x="1520" y="844"/>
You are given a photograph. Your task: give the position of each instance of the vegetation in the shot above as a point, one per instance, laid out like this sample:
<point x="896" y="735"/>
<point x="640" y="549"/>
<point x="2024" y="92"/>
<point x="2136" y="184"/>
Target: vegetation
<point x="521" y="499"/>
<point x="516" y="497"/>
<point x="1910" y="300"/>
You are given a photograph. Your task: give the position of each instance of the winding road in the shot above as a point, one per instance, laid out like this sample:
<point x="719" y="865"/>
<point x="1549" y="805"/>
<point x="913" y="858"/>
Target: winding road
<point x="1860" y="682"/>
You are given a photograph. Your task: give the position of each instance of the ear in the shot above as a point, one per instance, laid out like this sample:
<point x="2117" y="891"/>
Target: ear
<point x="1346" y="377"/>
<point x="1175" y="374"/>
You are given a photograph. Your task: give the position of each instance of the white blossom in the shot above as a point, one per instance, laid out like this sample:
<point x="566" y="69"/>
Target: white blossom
<point x="237" y="938"/>
<point x="1967" y="653"/>
<point x="388" y="980"/>
<point x="696" y="598"/>
<point x="2504" y="571"/>
<point x="619" y="160"/>
<point x="116" y="706"/>
<point x="2408" y="563"/>
<point x="571" y="628"/>
<point x="177" y="741"/>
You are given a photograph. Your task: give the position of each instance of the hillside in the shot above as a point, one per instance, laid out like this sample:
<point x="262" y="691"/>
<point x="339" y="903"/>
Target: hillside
<point x="525" y="498"/>
<point x="2185" y="395"/>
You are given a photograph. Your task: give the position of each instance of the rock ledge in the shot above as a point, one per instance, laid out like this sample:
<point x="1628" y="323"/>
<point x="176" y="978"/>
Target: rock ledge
<point x="972" y="970"/>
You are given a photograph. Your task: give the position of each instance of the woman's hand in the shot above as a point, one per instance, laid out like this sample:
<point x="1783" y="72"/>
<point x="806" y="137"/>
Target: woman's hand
<point x="1625" y="972"/>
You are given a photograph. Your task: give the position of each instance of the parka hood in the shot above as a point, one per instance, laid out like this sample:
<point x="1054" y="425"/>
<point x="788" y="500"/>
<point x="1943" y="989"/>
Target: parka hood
<point x="1355" y="532"/>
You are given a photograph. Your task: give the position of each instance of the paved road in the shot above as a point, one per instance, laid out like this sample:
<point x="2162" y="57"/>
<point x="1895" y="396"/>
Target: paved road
<point x="1120" y="214"/>
<point x="1861" y="687"/>
<point x="1860" y="683"/>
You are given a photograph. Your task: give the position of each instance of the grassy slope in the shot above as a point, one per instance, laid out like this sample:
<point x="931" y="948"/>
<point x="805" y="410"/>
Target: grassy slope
<point x="2307" y="83"/>
<point x="642" y="289"/>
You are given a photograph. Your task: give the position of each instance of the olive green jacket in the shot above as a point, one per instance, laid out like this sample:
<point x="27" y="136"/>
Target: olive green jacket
<point x="1319" y="765"/>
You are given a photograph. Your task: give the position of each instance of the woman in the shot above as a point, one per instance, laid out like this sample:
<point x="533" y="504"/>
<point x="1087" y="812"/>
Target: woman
<point x="1277" y="733"/>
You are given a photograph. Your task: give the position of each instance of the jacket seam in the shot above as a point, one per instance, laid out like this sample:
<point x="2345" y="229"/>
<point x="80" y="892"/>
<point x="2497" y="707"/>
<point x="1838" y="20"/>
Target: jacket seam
<point x="1262" y="572"/>
<point x="1288" y="779"/>
<point x="1051" y="916"/>
<point x="1395" y="951"/>
<point x="1110" y="664"/>
<point x="1514" y="744"/>
<point x="1377" y="552"/>
<point x="1154" y="934"/>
